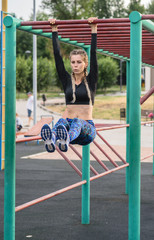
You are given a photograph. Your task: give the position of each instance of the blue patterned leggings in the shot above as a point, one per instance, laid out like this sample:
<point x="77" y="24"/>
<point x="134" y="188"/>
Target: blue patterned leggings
<point x="80" y="131"/>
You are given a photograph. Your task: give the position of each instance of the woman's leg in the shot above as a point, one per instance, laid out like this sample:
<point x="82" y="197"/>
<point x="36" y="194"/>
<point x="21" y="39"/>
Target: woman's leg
<point x="82" y="132"/>
<point x="75" y="128"/>
<point x="50" y="136"/>
<point x="63" y="122"/>
<point x="79" y="132"/>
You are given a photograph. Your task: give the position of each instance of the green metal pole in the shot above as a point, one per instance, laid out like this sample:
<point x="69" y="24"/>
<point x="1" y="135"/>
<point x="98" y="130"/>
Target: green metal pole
<point x="10" y="130"/>
<point x="87" y="49"/>
<point x="135" y="126"/>
<point x="86" y="174"/>
<point x="127" y="121"/>
<point x="148" y="25"/>
<point x="153" y="135"/>
<point x="86" y="187"/>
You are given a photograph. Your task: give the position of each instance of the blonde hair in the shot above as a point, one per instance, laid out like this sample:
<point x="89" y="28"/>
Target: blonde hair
<point x="85" y="59"/>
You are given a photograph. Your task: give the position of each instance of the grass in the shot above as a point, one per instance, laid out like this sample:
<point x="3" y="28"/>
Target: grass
<point x="107" y="107"/>
<point x="52" y="93"/>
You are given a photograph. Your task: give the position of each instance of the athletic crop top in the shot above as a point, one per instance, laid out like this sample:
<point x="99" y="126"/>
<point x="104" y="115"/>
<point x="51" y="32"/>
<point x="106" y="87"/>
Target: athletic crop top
<point x="80" y="90"/>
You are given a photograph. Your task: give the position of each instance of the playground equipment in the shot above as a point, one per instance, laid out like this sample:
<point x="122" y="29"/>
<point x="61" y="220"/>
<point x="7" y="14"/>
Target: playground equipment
<point x="123" y="44"/>
<point x="2" y="87"/>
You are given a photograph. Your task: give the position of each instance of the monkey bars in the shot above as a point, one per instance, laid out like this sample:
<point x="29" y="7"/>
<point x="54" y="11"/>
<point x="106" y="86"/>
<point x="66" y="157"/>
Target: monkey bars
<point x="113" y="35"/>
<point x="119" y="38"/>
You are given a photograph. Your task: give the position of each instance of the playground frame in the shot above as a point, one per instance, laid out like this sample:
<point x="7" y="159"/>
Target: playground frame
<point x="135" y="47"/>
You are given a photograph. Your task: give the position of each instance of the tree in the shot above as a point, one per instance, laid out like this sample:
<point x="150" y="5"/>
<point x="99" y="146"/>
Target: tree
<point x="109" y="8"/>
<point x="24" y="42"/>
<point x="102" y="8"/>
<point x="24" y="74"/>
<point x="44" y="48"/>
<point x="108" y="72"/>
<point x="68" y="9"/>
<point x="45" y="74"/>
<point x="150" y="8"/>
<point x="135" y="5"/>
<point x="118" y="9"/>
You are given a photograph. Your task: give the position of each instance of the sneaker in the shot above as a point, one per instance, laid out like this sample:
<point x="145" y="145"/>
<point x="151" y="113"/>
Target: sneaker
<point x="48" y="137"/>
<point x="63" y="138"/>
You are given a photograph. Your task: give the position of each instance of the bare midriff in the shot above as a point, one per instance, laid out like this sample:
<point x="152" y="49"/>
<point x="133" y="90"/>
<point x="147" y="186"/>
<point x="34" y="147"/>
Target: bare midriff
<point x="78" y="111"/>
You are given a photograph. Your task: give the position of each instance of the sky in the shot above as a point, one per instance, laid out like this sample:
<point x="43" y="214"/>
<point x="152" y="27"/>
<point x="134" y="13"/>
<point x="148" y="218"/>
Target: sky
<point x="24" y="8"/>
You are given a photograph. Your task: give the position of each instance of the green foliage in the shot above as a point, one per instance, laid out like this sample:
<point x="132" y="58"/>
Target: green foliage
<point x="102" y="8"/>
<point x="24" y="42"/>
<point x="108" y="72"/>
<point x="29" y="83"/>
<point x="118" y="9"/>
<point x="40" y="16"/>
<point x="109" y="8"/>
<point x="150" y="8"/>
<point x="135" y="5"/>
<point x="23" y="74"/>
<point x="68" y="9"/>
<point x="44" y="48"/>
<point x="45" y="75"/>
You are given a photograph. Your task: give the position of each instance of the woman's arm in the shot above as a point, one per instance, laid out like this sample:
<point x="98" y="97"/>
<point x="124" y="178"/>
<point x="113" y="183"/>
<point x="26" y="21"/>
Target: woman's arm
<point x="62" y="73"/>
<point x="93" y="74"/>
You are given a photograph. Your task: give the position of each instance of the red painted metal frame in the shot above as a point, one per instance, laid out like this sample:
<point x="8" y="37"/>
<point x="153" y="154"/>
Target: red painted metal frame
<point x="121" y="158"/>
<point x="50" y="195"/>
<point x="80" y="156"/>
<point x="101" y="149"/>
<point x="41" y="199"/>
<point x="144" y="158"/>
<point x="97" y="175"/>
<point x="147" y="95"/>
<point x="113" y="35"/>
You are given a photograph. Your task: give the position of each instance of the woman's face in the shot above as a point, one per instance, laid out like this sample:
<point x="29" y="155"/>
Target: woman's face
<point x="77" y="64"/>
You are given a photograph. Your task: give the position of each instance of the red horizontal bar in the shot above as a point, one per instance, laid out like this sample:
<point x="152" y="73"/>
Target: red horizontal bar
<point x="108" y="172"/>
<point x="76" y="21"/>
<point x="104" y="28"/>
<point x="126" y="24"/>
<point x="103" y="40"/>
<point x="89" y="32"/>
<point x="41" y="199"/>
<point x="69" y="162"/>
<point x="144" y="158"/>
<point x="99" y="161"/>
<point x="113" y="162"/>
<point x="143" y="123"/>
<point x="85" y="21"/>
<point x="80" y="156"/>
<point x="112" y="127"/>
<point x="150" y="16"/>
<point x="121" y="158"/>
<point x="103" y="35"/>
<point x="28" y="139"/>
<point x="48" y="196"/>
<point x="147" y="95"/>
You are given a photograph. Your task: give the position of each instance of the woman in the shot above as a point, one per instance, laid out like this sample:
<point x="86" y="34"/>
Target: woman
<point x="76" y="126"/>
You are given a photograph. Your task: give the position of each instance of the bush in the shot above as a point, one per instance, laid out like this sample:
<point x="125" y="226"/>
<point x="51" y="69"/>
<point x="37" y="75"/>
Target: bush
<point x="108" y="72"/>
<point x="45" y="74"/>
<point x="23" y="74"/>
<point x="67" y="67"/>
